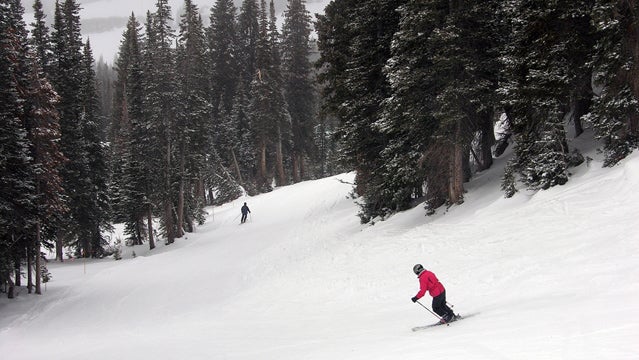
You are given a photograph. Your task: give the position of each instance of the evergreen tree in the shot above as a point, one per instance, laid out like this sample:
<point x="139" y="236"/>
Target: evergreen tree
<point x="67" y="80"/>
<point x="261" y="123"/>
<point x="356" y="87"/>
<point x="615" y="113"/>
<point x="128" y="189"/>
<point x="223" y="52"/>
<point x="105" y="76"/>
<point x="545" y="62"/>
<point x="160" y="109"/>
<point x="284" y="138"/>
<point x="44" y="134"/>
<point x="138" y="136"/>
<point x="40" y="39"/>
<point x="245" y="160"/>
<point x="17" y="188"/>
<point x="298" y="84"/>
<point x="97" y="195"/>
<point x="248" y="29"/>
<point x="193" y="118"/>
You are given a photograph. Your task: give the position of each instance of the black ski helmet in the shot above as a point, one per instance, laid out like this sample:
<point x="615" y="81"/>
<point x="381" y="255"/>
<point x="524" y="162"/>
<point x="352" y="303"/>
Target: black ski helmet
<point x="417" y="269"/>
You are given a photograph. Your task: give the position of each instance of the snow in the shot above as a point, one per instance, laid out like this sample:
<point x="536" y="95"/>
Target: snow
<point x="549" y="275"/>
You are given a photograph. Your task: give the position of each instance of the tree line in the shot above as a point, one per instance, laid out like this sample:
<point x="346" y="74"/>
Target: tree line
<point x="418" y="87"/>
<point x="197" y="115"/>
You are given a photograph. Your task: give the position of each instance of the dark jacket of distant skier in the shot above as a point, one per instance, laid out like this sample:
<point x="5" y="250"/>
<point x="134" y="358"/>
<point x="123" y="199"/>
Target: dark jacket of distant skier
<point x="429" y="282"/>
<point x="245" y="211"/>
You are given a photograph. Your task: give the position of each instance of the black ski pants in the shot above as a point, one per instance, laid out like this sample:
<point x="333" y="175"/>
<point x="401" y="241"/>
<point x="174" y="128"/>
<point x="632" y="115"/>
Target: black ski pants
<point x="440" y="307"/>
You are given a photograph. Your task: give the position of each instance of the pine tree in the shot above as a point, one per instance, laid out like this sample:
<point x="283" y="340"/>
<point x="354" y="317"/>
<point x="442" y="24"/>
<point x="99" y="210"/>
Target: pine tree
<point x="615" y="113"/>
<point x="193" y="119"/>
<point x="97" y="194"/>
<point x="44" y="134"/>
<point x="17" y="188"/>
<point x="298" y="84"/>
<point x="139" y="174"/>
<point x="261" y="123"/>
<point x="160" y="109"/>
<point x="131" y="182"/>
<point x="545" y="63"/>
<point x="67" y="80"/>
<point x="40" y="39"/>
<point x="223" y="51"/>
<point x="248" y="29"/>
<point x="355" y="40"/>
<point x="284" y="138"/>
<point x="245" y="160"/>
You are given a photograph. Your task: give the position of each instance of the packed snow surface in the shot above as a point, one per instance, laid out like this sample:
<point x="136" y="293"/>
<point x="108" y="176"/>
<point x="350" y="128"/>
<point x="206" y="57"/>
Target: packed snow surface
<point x="547" y="275"/>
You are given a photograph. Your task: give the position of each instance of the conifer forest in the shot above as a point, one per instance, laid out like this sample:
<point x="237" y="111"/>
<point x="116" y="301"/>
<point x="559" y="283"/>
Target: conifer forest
<point x="414" y="96"/>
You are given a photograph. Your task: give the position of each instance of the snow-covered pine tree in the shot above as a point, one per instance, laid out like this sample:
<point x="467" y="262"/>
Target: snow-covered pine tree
<point x="355" y="39"/>
<point x="463" y="54"/>
<point x="615" y="113"/>
<point x="544" y="65"/>
<point x="17" y="190"/>
<point x="248" y="29"/>
<point x="99" y="216"/>
<point x="244" y="157"/>
<point x="43" y="128"/>
<point x="334" y="53"/>
<point x="160" y="110"/>
<point x="193" y="126"/>
<point x="105" y="76"/>
<point x="408" y="121"/>
<point x="131" y="183"/>
<point x="222" y="50"/>
<point x="224" y="84"/>
<point x="298" y="85"/>
<point x="40" y="40"/>
<point x="67" y="79"/>
<point x="284" y="139"/>
<point x="261" y="121"/>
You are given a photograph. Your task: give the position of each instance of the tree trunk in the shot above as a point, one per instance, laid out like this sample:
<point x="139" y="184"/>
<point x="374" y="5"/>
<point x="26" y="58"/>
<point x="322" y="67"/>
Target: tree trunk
<point x="237" y="168"/>
<point x="11" y="292"/>
<point x="149" y="224"/>
<point x="485" y="160"/>
<point x="456" y="169"/>
<point x="168" y="199"/>
<point x="302" y="168"/>
<point x="29" y="269"/>
<point x="180" y="210"/>
<point x="59" y="248"/>
<point x="17" y="271"/>
<point x="296" y="175"/>
<point x="201" y="193"/>
<point x="280" y="163"/>
<point x="168" y="222"/>
<point x="263" y="176"/>
<point x="38" y="261"/>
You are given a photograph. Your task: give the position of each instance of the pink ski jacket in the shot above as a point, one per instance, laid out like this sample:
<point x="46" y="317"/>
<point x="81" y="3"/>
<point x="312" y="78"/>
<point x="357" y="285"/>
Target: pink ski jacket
<point x="428" y="282"/>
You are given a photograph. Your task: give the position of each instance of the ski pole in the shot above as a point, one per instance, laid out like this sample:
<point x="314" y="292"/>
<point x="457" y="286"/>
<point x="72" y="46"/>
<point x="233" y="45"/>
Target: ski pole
<point x="429" y="310"/>
<point x="449" y="304"/>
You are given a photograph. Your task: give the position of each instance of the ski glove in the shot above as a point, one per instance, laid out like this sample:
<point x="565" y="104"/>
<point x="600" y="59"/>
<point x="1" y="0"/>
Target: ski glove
<point x="414" y="298"/>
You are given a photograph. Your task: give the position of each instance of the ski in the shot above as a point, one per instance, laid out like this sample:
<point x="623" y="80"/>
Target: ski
<point x="457" y="318"/>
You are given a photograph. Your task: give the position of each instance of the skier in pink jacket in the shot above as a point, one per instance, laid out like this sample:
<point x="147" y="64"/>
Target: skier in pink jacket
<point x="429" y="282"/>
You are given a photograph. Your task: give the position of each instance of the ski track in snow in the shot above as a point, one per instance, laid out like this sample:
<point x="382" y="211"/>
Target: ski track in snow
<point x="554" y="275"/>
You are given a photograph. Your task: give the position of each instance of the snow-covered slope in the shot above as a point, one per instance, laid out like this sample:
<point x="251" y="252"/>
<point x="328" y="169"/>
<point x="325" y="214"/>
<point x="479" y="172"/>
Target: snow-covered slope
<point x="551" y="275"/>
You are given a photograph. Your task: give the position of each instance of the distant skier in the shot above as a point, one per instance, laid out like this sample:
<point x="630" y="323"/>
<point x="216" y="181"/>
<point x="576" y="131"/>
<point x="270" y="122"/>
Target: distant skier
<point x="429" y="282"/>
<point x="245" y="212"/>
